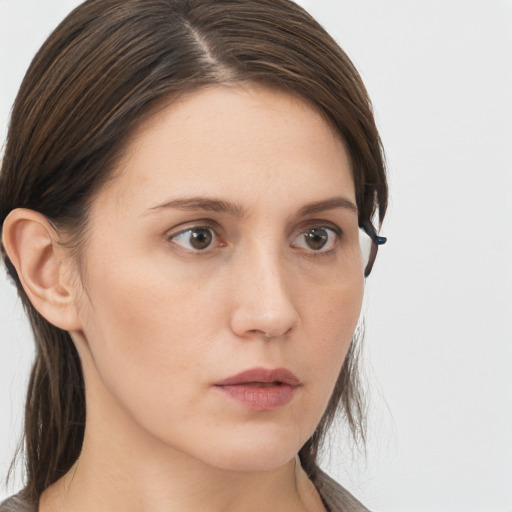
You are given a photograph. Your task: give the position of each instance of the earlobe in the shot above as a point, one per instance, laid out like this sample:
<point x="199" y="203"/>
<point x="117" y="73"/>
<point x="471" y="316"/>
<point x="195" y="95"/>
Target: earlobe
<point x="31" y="243"/>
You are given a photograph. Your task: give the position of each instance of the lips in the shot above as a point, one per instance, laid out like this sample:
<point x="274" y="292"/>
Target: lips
<point x="260" y="389"/>
<point x="262" y="375"/>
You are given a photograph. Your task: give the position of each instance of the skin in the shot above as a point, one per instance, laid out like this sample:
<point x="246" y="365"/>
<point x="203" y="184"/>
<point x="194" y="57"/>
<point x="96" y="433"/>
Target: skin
<point x="157" y="323"/>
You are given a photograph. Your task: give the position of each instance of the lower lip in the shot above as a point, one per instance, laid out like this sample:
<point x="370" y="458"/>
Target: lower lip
<point x="260" y="398"/>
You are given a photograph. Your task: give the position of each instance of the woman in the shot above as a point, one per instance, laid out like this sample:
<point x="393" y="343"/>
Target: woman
<point x="184" y="191"/>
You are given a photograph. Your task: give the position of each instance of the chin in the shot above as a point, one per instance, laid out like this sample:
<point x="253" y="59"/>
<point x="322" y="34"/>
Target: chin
<point x="253" y="461"/>
<point x="253" y="454"/>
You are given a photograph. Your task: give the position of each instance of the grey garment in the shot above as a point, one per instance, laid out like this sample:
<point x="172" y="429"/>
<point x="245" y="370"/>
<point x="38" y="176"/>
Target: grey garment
<point x="335" y="498"/>
<point x="17" y="503"/>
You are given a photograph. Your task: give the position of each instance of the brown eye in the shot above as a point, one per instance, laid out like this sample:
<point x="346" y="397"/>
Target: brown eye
<point x="195" y="239"/>
<point x="318" y="239"/>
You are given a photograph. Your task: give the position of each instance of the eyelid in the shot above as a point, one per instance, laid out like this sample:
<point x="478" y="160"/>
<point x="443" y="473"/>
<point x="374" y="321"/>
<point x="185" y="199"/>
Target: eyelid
<point x="192" y="224"/>
<point x="316" y="223"/>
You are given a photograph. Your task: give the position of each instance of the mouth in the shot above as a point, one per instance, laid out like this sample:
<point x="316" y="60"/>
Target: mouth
<point x="260" y="389"/>
<point x="264" y="384"/>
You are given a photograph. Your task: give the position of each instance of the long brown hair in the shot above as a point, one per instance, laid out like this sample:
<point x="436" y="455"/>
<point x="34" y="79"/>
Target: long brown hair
<point x="107" y="66"/>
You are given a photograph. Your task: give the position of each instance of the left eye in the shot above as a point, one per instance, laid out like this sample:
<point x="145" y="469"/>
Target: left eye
<point x="195" y="239"/>
<point x="319" y="239"/>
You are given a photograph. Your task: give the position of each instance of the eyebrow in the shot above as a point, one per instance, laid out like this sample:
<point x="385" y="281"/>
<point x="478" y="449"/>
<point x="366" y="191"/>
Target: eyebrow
<point x="328" y="204"/>
<point x="202" y="203"/>
<point x="237" y="210"/>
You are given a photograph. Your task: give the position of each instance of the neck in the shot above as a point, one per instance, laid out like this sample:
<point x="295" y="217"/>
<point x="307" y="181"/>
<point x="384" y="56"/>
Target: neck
<point x="151" y="476"/>
<point x="174" y="484"/>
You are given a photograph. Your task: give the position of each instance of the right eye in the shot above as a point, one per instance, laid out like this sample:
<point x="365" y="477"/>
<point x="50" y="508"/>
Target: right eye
<point x="195" y="239"/>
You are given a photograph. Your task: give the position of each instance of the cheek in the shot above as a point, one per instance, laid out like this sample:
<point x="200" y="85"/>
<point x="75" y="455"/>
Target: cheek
<point x="143" y="332"/>
<point x="333" y="318"/>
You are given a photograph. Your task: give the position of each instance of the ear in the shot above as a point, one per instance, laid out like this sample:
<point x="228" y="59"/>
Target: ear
<point x="31" y="243"/>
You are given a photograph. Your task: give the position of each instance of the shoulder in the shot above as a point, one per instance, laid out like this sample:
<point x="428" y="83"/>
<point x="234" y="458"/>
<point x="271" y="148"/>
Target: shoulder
<point x="334" y="496"/>
<point x="17" y="503"/>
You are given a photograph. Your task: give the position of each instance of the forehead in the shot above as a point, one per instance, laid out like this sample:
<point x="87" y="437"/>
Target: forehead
<point x="243" y="142"/>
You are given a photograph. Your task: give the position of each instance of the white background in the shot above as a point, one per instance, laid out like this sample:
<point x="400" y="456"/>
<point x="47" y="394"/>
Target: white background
<point x="439" y="336"/>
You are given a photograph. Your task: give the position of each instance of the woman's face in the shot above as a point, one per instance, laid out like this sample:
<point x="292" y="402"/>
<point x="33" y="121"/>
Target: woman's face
<point x="227" y="242"/>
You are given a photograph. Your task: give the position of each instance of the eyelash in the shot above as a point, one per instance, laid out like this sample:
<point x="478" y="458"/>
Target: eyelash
<point x="334" y="230"/>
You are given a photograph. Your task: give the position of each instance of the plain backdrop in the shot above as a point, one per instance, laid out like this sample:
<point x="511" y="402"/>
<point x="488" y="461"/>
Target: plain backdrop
<point x="438" y="349"/>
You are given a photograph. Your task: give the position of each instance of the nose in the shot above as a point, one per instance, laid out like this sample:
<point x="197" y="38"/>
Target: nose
<point x="262" y="300"/>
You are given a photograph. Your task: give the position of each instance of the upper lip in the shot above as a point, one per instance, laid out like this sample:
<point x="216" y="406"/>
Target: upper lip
<point x="281" y="375"/>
